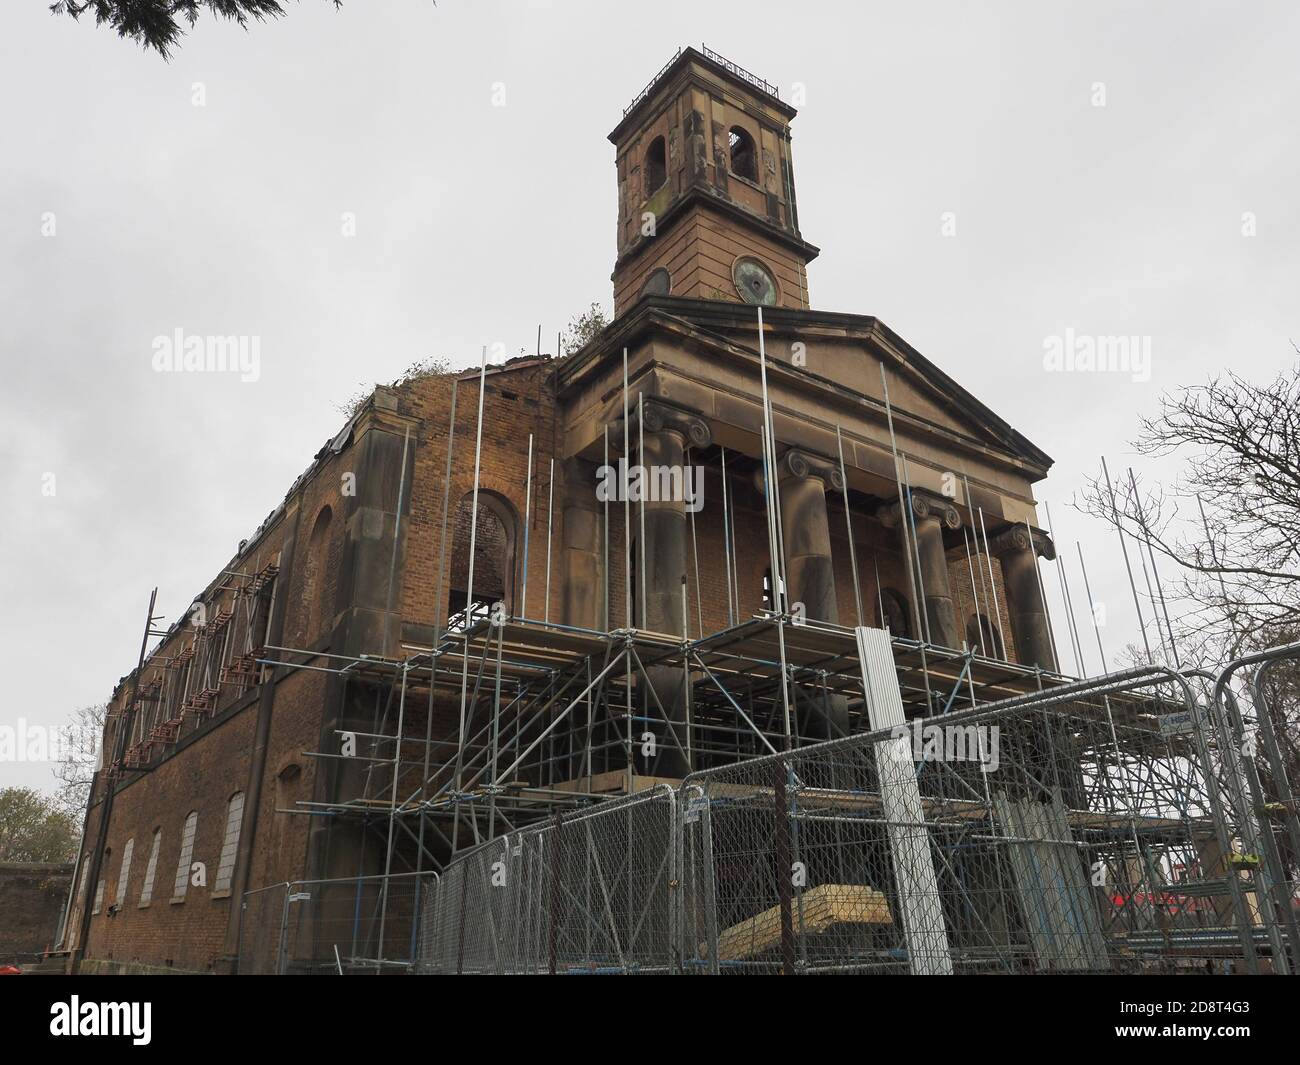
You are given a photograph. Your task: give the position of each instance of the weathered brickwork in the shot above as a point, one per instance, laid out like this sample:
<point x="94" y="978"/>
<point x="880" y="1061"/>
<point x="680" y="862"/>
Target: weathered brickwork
<point x="32" y="897"/>
<point x="245" y="697"/>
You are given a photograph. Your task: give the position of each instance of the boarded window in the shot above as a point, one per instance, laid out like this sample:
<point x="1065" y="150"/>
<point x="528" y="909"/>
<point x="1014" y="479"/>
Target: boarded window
<point x="124" y="877"/>
<point x="146" y="892"/>
<point x="187" y="856"/>
<point x="230" y="845"/>
<point x="99" y="896"/>
<point x="744" y="160"/>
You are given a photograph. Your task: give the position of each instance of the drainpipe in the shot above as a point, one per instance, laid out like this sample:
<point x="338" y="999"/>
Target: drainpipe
<point x="257" y="769"/>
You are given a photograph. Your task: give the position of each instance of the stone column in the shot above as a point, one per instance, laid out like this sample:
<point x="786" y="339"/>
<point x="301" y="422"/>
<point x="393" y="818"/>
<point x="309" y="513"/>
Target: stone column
<point x="667" y="432"/>
<point x="1017" y="551"/>
<point x="932" y="514"/>
<point x="809" y="570"/>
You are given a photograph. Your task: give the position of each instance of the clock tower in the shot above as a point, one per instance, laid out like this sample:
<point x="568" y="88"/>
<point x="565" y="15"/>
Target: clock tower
<point x="706" y="202"/>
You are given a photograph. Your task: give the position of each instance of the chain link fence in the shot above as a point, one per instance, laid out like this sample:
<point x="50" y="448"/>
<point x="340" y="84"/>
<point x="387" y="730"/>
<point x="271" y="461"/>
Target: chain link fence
<point x="1099" y="828"/>
<point x="330" y="927"/>
<point x="590" y="892"/>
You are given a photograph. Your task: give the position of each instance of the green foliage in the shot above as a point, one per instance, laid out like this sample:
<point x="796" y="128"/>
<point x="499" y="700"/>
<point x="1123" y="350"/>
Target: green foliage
<point x="33" y="828"/>
<point x="583" y="327"/>
<point x="433" y="366"/>
<point x="156" y="24"/>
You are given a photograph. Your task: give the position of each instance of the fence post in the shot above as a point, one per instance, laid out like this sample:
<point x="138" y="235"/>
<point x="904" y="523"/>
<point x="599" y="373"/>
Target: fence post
<point x="783" y="869"/>
<point x="460" y="932"/>
<point x="555" y="894"/>
<point x="284" y="930"/>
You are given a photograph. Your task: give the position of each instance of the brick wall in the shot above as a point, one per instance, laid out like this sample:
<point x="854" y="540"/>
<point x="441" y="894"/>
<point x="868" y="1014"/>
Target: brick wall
<point x="214" y="758"/>
<point x="32" y="897"/>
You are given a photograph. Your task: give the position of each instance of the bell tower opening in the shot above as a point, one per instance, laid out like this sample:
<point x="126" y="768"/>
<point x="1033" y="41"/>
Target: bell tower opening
<point x="706" y="200"/>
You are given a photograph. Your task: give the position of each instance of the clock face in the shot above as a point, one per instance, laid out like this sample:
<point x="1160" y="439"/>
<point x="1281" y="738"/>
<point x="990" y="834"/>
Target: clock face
<point x="754" y="282"/>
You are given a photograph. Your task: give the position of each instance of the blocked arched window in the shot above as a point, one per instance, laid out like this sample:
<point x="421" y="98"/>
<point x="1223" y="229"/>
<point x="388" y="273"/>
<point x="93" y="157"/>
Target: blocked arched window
<point x="743" y="156"/>
<point x="494" y="533"/>
<point x="892" y="613"/>
<point x="315" y="584"/>
<point x="124" y="876"/>
<point x="656" y="165"/>
<point x="99" y="888"/>
<point x="983" y="637"/>
<point x="182" y="882"/>
<point x="150" y="870"/>
<point x="230" y="843"/>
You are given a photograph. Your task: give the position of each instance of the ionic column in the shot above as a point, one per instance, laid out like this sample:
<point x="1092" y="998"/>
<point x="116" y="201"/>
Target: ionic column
<point x="1017" y="551"/>
<point x="809" y="568"/>
<point x="667" y="430"/>
<point x="932" y="514"/>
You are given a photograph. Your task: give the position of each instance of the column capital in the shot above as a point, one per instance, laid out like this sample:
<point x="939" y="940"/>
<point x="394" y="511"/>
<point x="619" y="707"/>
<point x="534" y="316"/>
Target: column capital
<point x="799" y="463"/>
<point x="924" y="505"/>
<point x="1019" y="538"/>
<point x="664" y="417"/>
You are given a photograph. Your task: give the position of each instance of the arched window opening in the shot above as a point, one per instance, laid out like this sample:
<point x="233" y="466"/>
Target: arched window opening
<point x="493" y="533"/>
<point x="892" y="613"/>
<point x="769" y="600"/>
<point x="656" y="166"/>
<point x="984" y="638"/>
<point x="744" y="159"/>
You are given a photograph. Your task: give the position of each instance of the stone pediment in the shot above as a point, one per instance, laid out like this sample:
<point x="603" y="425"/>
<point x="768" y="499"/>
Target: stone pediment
<point x="829" y="360"/>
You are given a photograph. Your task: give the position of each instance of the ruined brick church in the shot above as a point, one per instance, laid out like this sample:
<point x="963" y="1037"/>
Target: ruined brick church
<point x="445" y="631"/>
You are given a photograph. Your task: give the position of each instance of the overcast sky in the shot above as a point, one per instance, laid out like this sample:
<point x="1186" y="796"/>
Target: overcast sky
<point x="475" y="223"/>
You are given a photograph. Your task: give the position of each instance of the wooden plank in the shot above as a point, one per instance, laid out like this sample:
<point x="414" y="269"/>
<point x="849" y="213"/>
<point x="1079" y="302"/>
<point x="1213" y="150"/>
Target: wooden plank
<point x="822" y="908"/>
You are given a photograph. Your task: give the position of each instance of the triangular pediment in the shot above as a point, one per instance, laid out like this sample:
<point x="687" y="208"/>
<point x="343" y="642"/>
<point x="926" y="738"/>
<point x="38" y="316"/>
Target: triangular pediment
<point x="841" y="356"/>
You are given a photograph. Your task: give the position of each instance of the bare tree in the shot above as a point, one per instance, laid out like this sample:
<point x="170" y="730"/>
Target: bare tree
<point x="79" y="745"/>
<point x="1230" y="523"/>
